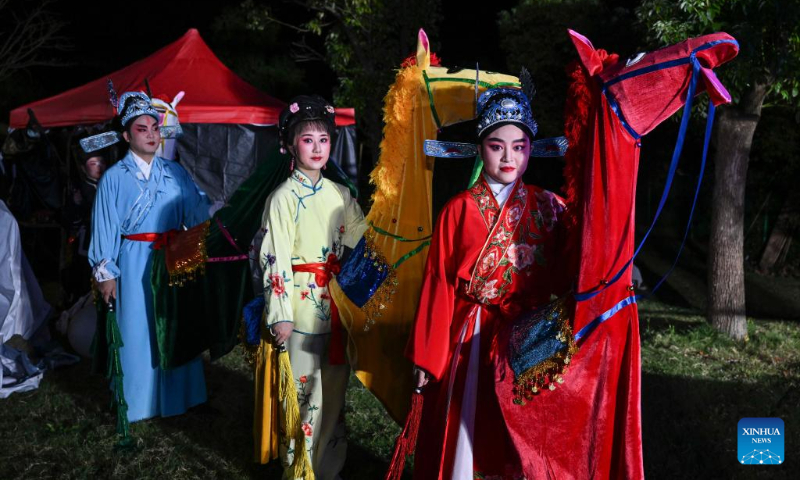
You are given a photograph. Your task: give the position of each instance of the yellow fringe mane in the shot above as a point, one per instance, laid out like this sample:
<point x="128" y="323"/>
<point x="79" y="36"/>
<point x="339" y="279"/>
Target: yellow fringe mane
<point x="397" y="146"/>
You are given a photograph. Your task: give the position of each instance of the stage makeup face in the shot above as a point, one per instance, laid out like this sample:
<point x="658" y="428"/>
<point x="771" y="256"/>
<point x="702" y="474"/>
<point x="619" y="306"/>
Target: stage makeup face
<point x="144" y="136"/>
<point x="312" y="149"/>
<point x="505" y="153"/>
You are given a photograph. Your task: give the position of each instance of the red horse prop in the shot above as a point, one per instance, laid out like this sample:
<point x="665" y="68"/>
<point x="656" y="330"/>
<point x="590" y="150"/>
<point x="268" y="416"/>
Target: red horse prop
<point x="589" y="426"/>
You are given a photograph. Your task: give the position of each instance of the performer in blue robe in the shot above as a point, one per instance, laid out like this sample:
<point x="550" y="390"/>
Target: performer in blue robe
<point x="138" y="200"/>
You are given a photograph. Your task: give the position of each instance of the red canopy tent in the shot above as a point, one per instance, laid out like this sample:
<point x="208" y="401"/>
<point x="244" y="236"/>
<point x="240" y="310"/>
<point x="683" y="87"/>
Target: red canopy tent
<point x="214" y="94"/>
<point x="228" y="124"/>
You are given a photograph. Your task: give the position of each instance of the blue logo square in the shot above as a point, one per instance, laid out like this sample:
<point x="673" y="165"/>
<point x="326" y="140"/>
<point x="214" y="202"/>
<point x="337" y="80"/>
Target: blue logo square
<point x="761" y="441"/>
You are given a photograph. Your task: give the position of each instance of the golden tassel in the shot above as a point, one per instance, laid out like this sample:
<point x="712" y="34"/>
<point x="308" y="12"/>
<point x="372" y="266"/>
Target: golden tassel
<point x="382" y="297"/>
<point x="287" y="393"/>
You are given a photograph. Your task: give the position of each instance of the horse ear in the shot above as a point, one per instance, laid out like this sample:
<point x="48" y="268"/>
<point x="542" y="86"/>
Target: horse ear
<point x="423" y="50"/>
<point x="717" y="92"/>
<point x="177" y="99"/>
<point x="587" y="53"/>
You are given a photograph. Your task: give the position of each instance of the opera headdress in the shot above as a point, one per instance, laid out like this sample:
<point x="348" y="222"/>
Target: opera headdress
<point x="129" y="106"/>
<point x="503" y="106"/>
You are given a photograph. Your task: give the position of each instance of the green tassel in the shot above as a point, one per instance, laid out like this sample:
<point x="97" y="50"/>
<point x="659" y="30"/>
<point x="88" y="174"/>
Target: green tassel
<point x="114" y="374"/>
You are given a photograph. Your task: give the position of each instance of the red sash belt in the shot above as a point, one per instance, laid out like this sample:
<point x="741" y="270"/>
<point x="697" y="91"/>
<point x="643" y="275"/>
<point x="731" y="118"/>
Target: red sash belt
<point x="323" y="272"/>
<point x="159" y="240"/>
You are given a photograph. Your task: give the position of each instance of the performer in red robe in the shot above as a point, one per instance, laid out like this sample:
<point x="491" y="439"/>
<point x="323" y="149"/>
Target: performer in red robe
<point x="585" y="423"/>
<point x="493" y="255"/>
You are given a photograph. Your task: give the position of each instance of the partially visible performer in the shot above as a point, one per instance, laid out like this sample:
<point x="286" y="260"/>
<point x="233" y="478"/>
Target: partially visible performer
<point x="307" y="222"/>
<point x="138" y="200"/>
<point x="494" y="254"/>
<point x="77" y="218"/>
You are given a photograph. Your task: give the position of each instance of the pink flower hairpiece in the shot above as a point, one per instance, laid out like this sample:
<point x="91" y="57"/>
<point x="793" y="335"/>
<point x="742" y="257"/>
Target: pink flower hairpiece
<point x="329" y="108"/>
<point x="294" y="108"/>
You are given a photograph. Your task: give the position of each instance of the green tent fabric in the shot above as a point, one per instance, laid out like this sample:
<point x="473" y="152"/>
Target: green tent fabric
<point x="205" y="314"/>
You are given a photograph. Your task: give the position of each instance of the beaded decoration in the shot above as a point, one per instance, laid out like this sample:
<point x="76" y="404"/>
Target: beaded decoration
<point x="540" y="349"/>
<point x="186" y="255"/>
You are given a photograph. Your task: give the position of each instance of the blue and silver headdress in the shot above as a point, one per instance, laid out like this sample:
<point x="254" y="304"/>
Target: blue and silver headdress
<point x="135" y="104"/>
<point x="129" y="106"/>
<point x="500" y="106"/>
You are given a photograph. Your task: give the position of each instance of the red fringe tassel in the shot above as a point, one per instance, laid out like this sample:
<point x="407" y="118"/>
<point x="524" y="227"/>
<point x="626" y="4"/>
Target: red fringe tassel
<point x="407" y="440"/>
<point x="576" y="118"/>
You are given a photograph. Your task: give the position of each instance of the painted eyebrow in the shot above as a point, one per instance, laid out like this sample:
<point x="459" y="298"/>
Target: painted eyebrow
<point x="495" y="139"/>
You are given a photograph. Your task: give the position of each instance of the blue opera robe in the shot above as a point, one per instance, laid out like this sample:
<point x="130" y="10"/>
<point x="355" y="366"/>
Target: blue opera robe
<point x="128" y="203"/>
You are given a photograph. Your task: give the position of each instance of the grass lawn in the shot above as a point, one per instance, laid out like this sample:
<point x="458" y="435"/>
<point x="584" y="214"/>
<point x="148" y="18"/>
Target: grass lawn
<point x="696" y="386"/>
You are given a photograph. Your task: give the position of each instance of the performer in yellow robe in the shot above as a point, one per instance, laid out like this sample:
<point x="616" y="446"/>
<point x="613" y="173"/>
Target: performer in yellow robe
<point x="307" y="222"/>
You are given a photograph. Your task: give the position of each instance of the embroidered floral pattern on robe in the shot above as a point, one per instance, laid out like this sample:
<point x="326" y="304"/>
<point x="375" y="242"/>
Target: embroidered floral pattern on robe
<point x="304" y="223"/>
<point x="492" y="274"/>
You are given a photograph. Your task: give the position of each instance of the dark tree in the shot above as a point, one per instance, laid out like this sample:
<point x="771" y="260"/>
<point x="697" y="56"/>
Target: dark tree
<point x="29" y="32"/>
<point x="768" y="32"/>
<point x="362" y="41"/>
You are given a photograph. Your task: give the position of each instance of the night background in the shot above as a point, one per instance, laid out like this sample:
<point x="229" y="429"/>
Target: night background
<point x="702" y="370"/>
<point x="106" y="37"/>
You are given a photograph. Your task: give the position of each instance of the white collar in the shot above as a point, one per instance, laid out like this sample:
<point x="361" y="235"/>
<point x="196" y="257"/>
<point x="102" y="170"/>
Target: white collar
<point x="501" y="191"/>
<point x="144" y="167"/>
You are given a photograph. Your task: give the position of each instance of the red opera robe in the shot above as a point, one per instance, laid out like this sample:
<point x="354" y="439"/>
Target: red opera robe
<point x="485" y="265"/>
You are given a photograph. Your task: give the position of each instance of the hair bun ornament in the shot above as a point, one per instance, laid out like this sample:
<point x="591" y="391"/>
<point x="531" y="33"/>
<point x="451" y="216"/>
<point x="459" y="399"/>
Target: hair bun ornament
<point x="305" y="108"/>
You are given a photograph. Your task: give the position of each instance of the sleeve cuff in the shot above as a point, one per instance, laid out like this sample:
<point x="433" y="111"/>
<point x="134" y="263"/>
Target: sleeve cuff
<point x="270" y="325"/>
<point x="105" y="270"/>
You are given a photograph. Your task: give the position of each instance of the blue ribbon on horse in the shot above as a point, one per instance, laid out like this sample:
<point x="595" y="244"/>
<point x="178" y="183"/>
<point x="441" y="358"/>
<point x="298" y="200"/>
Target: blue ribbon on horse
<point x="676" y="154"/>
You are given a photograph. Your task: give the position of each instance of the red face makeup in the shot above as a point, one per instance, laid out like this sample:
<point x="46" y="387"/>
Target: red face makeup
<point x="144" y="137"/>
<point x="505" y="153"/>
<point x="312" y="150"/>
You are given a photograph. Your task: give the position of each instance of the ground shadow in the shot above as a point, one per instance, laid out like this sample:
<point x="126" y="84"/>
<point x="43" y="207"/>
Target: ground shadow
<point x="767" y="297"/>
<point x="652" y="322"/>
<point x="361" y="463"/>
<point x="690" y="426"/>
<point x="221" y="430"/>
<point x="666" y="293"/>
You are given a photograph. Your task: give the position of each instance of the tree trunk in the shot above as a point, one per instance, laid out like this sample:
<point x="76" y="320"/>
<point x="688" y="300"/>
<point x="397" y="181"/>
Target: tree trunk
<point x="735" y="129"/>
